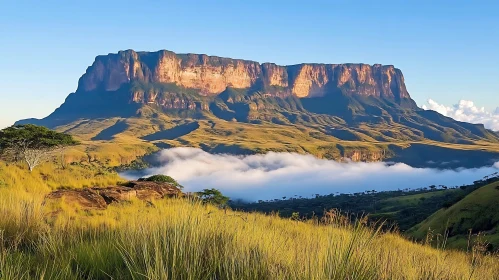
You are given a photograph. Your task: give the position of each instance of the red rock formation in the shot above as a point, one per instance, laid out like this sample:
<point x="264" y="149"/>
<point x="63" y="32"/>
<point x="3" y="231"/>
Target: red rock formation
<point x="211" y="75"/>
<point x="99" y="198"/>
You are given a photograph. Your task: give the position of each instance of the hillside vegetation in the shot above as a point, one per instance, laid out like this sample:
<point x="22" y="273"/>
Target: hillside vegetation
<point x="183" y="239"/>
<point x="449" y="213"/>
<point x="118" y="141"/>
<point x="477" y="213"/>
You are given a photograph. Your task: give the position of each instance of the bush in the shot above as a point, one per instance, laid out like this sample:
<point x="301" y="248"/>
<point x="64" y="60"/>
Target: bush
<point x="162" y="179"/>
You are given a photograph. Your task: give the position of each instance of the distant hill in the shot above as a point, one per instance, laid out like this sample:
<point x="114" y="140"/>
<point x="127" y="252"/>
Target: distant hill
<point x="337" y="111"/>
<point x="478" y="212"/>
<point x="450" y="212"/>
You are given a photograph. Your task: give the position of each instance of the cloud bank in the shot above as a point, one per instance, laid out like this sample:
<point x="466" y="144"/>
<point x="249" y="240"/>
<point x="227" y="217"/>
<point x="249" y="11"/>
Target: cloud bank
<point x="274" y="175"/>
<point x="466" y="111"/>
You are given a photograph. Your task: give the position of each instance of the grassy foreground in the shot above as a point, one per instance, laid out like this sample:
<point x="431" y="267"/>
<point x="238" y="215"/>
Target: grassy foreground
<point x="181" y="239"/>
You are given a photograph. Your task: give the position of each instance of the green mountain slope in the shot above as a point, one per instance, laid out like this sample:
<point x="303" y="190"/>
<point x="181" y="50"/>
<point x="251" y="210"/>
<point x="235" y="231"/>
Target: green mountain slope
<point x="478" y="212"/>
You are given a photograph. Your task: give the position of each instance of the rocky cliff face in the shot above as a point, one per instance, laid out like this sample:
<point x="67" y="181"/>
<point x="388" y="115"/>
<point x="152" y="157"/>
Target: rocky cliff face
<point x="211" y="75"/>
<point x="334" y="102"/>
<point x="364" y="156"/>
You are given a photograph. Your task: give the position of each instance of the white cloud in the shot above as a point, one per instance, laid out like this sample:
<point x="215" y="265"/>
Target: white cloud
<point x="275" y="175"/>
<point x="466" y="111"/>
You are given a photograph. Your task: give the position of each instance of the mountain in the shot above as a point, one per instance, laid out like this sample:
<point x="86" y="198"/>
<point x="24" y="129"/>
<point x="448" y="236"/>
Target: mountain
<point x="187" y="81"/>
<point x="211" y="75"/>
<point x="356" y="111"/>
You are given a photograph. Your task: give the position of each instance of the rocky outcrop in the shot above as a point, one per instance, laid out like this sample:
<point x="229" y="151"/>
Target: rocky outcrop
<point x="211" y="75"/>
<point x="85" y="198"/>
<point x="100" y="198"/>
<point x="364" y="156"/>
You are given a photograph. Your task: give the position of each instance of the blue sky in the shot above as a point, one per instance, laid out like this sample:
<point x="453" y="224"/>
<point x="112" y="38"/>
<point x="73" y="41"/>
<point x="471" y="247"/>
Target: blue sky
<point x="447" y="50"/>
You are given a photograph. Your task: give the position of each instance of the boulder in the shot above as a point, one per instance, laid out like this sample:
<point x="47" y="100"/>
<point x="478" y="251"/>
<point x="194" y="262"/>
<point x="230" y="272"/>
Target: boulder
<point x="86" y="198"/>
<point x="153" y="190"/>
<point x="116" y="193"/>
<point x="99" y="198"/>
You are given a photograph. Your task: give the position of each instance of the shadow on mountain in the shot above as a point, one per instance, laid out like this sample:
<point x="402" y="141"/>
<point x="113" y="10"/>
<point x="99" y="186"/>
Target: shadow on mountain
<point x="221" y="111"/>
<point x="421" y="156"/>
<point x="172" y="133"/>
<point x="90" y="105"/>
<point x="109" y="133"/>
<point x="474" y="131"/>
<point x="162" y="145"/>
<point x="226" y="149"/>
<point x="343" y="134"/>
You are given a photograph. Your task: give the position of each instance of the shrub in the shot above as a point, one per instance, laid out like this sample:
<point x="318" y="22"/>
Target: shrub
<point x="162" y="179"/>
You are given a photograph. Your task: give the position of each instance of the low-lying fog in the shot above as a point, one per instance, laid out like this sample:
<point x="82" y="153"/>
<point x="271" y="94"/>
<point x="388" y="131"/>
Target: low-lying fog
<point x="275" y="175"/>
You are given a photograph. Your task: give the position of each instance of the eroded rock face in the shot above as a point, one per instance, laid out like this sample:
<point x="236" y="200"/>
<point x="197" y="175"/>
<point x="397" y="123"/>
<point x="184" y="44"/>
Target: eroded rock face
<point x="152" y="190"/>
<point x="212" y="75"/>
<point x="100" y="198"/>
<point x="86" y="198"/>
<point x="364" y="156"/>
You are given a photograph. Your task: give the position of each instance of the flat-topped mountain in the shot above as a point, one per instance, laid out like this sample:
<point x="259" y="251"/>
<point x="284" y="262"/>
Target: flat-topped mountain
<point x="212" y="75"/>
<point x="356" y="111"/>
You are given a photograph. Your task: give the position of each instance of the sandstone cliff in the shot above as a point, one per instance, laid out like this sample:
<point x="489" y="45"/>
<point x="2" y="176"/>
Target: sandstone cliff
<point x="160" y="96"/>
<point x="211" y="75"/>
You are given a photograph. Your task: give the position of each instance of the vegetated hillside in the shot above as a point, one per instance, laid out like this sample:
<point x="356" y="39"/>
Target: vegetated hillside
<point x="183" y="239"/>
<point x="477" y="213"/>
<point x="405" y="207"/>
<point x="337" y="111"/>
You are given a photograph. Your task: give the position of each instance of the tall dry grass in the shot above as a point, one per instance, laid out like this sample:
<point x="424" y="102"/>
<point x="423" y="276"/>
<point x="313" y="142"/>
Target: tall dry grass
<point x="181" y="239"/>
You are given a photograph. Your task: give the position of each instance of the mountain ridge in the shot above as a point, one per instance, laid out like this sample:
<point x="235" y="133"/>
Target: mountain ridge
<point x="213" y="74"/>
<point x="337" y="108"/>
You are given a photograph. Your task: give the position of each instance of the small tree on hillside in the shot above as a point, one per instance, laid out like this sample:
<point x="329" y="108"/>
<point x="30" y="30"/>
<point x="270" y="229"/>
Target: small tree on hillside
<point x="32" y="144"/>
<point x="162" y="179"/>
<point x="212" y="196"/>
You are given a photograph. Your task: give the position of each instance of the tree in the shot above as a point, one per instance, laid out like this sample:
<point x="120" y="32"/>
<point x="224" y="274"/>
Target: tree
<point x="32" y="144"/>
<point x="162" y="179"/>
<point x="212" y="196"/>
<point x="373" y="192"/>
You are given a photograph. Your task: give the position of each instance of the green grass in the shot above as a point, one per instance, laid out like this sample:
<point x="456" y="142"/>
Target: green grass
<point x="478" y="212"/>
<point x="405" y="209"/>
